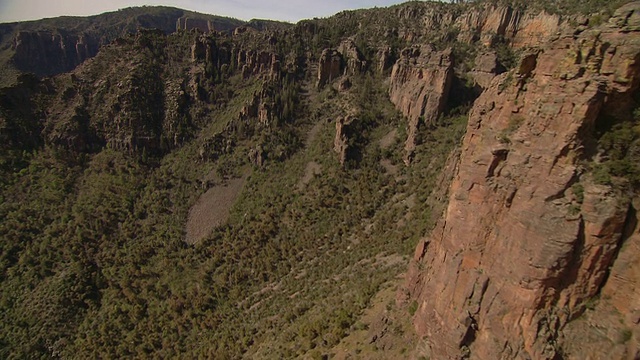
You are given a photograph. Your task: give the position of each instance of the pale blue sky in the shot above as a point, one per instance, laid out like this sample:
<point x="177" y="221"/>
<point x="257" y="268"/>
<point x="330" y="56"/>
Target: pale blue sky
<point x="287" y="10"/>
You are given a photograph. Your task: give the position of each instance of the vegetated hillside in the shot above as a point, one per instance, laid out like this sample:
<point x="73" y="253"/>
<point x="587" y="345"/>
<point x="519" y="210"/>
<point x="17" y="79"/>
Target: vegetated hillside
<point x="339" y="138"/>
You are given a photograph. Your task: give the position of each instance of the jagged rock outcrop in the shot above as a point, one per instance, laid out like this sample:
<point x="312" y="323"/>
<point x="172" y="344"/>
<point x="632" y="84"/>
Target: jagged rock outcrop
<point x="384" y="57"/>
<point x="250" y="62"/>
<point x="187" y="23"/>
<point x="486" y="23"/>
<point x="341" y="141"/>
<point x="419" y="88"/>
<point x="254" y="62"/>
<point x="485" y="69"/>
<point x="355" y="62"/>
<point x="257" y="156"/>
<point x="214" y="146"/>
<point x="46" y="47"/>
<point x="346" y="60"/>
<point x="45" y="52"/>
<point x="260" y="107"/>
<point x="330" y="67"/>
<point x="518" y="251"/>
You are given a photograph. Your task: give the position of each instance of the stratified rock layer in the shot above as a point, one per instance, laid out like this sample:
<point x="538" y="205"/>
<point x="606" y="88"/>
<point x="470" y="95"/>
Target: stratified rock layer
<point x="516" y="254"/>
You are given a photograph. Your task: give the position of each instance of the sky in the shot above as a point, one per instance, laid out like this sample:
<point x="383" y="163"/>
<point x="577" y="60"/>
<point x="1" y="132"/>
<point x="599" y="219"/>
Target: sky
<point x="285" y="10"/>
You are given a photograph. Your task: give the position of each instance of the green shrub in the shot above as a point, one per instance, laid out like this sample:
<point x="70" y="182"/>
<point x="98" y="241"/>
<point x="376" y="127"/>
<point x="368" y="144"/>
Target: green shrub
<point x="620" y="146"/>
<point x="578" y="191"/>
<point x="413" y="307"/>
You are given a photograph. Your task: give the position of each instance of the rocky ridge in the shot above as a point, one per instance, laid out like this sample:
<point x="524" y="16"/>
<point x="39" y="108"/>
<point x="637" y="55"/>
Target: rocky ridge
<point x="45" y="48"/>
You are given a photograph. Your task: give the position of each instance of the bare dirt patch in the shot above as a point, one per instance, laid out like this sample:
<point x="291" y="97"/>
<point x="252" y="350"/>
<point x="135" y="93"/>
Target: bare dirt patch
<point x="388" y="139"/>
<point x="311" y="170"/>
<point x="389" y="167"/>
<point x="311" y="136"/>
<point x="212" y="209"/>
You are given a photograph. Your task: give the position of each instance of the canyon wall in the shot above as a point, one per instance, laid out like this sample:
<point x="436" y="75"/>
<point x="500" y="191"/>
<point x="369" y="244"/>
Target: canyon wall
<point x="46" y="52"/>
<point x="529" y="238"/>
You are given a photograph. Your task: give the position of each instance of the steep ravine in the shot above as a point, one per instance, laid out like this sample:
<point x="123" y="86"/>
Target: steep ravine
<point x="530" y="240"/>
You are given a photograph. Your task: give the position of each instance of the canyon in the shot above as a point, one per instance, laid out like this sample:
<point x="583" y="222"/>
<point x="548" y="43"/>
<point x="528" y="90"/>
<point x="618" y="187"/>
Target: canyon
<point x="514" y="237"/>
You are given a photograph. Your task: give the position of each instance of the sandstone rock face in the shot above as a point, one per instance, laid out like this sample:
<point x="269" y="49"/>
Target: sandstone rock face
<point x="260" y="107"/>
<point x="517" y="252"/>
<point x="251" y="62"/>
<point x="346" y="60"/>
<point x="486" y="68"/>
<point x="329" y="67"/>
<point x="486" y="23"/>
<point x="518" y="27"/>
<point x="419" y="87"/>
<point x="623" y="285"/>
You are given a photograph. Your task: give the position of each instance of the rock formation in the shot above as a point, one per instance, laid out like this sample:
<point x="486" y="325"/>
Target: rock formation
<point x="341" y="141"/>
<point x="486" y="23"/>
<point x="186" y="23"/>
<point x="520" y="249"/>
<point x="355" y="62"/>
<point x="260" y="107"/>
<point x="344" y="84"/>
<point x="486" y="68"/>
<point x="258" y="62"/>
<point x="384" y="59"/>
<point x="419" y="87"/>
<point x="256" y="156"/>
<point x="50" y="52"/>
<point x="46" y="49"/>
<point x="330" y="67"/>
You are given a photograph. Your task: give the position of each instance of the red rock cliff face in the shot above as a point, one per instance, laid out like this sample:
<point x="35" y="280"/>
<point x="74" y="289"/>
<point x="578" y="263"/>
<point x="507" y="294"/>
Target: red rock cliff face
<point x="421" y="78"/>
<point x="485" y="23"/>
<point x="419" y="87"/>
<point x="516" y="254"/>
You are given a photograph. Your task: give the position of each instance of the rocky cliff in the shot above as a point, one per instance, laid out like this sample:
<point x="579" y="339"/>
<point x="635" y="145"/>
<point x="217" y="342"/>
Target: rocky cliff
<point x="51" y="52"/>
<point x="530" y="237"/>
<point x="330" y="66"/>
<point x="419" y="87"/>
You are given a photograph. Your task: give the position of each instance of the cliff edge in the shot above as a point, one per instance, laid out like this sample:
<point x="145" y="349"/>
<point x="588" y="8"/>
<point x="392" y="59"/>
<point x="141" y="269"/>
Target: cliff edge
<point x="533" y="238"/>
